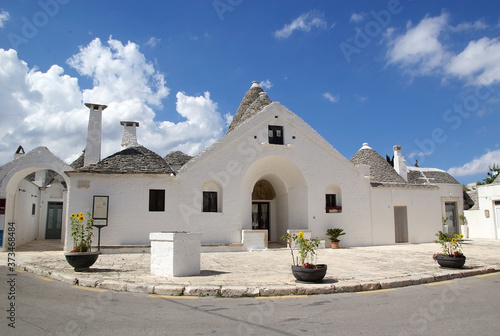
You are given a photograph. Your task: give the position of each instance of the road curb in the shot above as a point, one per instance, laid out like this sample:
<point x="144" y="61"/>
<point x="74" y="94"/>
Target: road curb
<point x="301" y="288"/>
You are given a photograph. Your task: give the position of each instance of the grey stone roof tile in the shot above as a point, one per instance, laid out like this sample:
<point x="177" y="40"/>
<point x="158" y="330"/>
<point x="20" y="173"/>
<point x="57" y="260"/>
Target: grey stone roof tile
<point x="132" y="160"/>
<point x="418" y="175"/>
<point x="177" y="158"/>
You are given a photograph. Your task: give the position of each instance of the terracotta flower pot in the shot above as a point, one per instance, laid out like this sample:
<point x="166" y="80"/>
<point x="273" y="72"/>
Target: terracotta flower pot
<point x="335" y="245"/>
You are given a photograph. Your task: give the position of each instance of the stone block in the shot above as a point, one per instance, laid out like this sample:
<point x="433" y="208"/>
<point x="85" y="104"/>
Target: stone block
<point x="370" y="286"/>
<point x="255" y="239"/>
<point x="113" y="285"/>
<point x="140" y="288"/>
<point x="202" y="290"/>
<point x="175" y="254"/>
<point x="277" y="290"/>
<point x="313" y="289"/>
<point x="174" y="290"/>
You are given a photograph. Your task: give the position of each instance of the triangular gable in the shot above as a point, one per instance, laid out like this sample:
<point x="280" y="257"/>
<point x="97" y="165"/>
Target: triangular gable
<point x="256" y="124"/>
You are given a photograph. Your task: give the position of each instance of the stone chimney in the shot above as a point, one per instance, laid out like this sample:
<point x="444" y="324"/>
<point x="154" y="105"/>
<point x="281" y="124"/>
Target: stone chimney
<point x="129" y="138"/>
<point x="400" y="163"/>
<point x="94" y="134"/>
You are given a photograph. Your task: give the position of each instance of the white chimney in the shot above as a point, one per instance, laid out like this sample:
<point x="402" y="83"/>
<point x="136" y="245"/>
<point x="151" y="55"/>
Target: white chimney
<point x="94" y="134"/>
<point x="400" y="163"/>
<point x="129" y="138"/>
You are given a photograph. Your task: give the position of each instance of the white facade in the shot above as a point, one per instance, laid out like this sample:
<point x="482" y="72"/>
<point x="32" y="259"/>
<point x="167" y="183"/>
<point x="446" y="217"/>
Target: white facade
<point x="484" y="221"/>
<point x="246" y="179"/>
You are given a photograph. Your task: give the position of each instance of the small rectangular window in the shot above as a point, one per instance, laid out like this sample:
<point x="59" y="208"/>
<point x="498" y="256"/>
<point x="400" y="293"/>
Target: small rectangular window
<point x="33" y="209"/>
<point x="276" y="135"/>
<point x="209" y="201"/>
<point x="331" y="203"/>
<point x="156" y="200"/>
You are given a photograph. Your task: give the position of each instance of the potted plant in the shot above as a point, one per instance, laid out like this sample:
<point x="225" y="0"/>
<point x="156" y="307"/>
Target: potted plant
<point x="452" y="255"/>
<point x="304" y="266"/>
<point x="464" y="229"/>
<point x="81" y="257"/>
<point x="445" y="226"/>
<point x="334" y="235"/>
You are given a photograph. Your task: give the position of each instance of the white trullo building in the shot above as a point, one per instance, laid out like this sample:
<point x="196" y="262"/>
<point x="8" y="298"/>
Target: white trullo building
<point x="270" y="173"/>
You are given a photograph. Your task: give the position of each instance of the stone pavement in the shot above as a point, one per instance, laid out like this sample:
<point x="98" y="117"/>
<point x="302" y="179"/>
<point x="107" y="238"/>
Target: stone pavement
<point x="263" y="273"/>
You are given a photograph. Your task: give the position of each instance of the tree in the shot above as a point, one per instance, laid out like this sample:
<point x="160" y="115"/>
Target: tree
<point x="388" y="159"/>
<point x="492" y="175"/>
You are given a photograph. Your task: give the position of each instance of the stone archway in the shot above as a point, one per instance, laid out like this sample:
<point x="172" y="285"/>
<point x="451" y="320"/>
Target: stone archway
<point x="12" y="173"/>
<point x="278" y="182"/>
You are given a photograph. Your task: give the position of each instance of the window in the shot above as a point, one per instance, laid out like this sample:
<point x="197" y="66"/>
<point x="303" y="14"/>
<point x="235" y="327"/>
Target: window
<point x="331" y="203"/>
<point x="275" y="134"/>
<point x="156" y="200"/>
<point x="33" y="209"/>
<point x="331" y="200"/>
<point x="209" y="201"/>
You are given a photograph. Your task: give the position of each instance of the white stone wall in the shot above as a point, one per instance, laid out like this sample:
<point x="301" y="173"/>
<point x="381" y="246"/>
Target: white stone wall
<point x="480" y="225"/>
<point x="26" y="223"/>
<point x="423" y="214"/>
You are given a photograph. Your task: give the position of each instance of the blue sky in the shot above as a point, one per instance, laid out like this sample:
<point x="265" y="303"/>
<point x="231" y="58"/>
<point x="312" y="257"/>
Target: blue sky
<point x="421" y="74"/>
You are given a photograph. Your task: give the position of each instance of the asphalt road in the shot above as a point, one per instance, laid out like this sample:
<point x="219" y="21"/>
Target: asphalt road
<point x="467" y="306"/>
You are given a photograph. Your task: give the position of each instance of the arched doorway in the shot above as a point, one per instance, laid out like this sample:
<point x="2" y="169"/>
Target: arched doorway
<point x="275" y="192"/>
<point x="263" y="195"/>
<point x="28" y="205"/>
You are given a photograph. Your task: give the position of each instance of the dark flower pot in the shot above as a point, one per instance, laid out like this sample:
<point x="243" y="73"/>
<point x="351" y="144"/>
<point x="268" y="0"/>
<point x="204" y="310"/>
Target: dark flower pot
<point x="309" y="274"/>
<point x="450" y="262"/>
<point x="81" y="261"/>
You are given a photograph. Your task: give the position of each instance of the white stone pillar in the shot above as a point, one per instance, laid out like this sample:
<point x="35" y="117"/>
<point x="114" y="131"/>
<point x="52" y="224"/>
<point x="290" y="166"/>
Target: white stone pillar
<point x="175" y="254"/>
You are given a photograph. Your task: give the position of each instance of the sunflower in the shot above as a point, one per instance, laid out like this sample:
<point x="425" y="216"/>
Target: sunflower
<point x="73" y="215"/>
<point x="301" y="234"/>
<point x="453" y="240"/>
<point x="81" y="218"/>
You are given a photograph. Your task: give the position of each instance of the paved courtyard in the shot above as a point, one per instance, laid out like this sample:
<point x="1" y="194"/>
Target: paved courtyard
<point x="264" y="272"/>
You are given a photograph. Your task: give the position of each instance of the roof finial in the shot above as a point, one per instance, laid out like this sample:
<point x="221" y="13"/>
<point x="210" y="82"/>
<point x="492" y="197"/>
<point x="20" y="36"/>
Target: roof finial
<point x="255" y="84"/>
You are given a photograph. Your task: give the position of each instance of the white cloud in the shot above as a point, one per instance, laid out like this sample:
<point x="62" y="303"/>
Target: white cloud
<point x="4" y="17"/>
<point x="331" y="97"/>
<point x="478" y="165"/>
<point x="477" y="25"/>
<point x="357" y="17"/>
<point x="153" y="41"/>
<point x="266" y="84"/>
<point x="304" y="22"/>
<point x="479" y="62"/>
<point x="41" y="108"/>
<point x="419" y="50"/>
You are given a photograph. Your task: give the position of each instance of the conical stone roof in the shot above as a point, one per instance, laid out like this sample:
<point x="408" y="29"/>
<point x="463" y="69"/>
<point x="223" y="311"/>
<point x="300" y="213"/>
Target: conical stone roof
<point x="380" y="170"/>
<point x="254" y="101"/>
<point x="177" y="158"/>
<point x="132" y="160"/>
